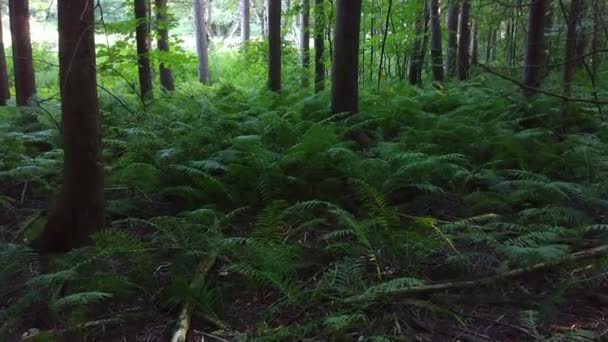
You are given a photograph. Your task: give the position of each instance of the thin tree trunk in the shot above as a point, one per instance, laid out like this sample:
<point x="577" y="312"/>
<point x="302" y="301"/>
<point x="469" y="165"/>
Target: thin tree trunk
<point x="535" y="46"/>
<point x="202" y="45"/>
<point x="436" y="50"/>
<point x="79" y="209"/>
<point x="4" y="87"/>
<point x="418" y="51"/>
<point x="143" y="49"/>
<point x="474" y="44"/>
<point x="274" y="45"/>
<point x="452" y="52"/>
<point x="382" y="49"/>
<point x="245" y="21"/>
<point x="570" y="58"/>
<point x="162" y="22"/>
<point x="319" y="45"/>
<point x="25" y="84"/>
<point x="345" y="83"/>
<point x="464" y="42"/>
<point x="305" y="43"/>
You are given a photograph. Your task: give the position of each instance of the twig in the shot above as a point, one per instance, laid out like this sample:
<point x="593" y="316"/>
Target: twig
<point x="426" y="289"/>
<point x="183" y="322"/>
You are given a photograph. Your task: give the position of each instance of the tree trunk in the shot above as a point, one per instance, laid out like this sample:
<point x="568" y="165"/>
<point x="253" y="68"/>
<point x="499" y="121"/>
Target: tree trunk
<point x="419" y="49"/>
<point x="79" y="209"/>
<point x="452" y="52"/>
<point x="202" y="45"/>
<point x="464" y="42"/>
<point x="383" y="46"/>
<point x="345" y="83"/>
<point x="245" y="21"/>
<point x="474" y="44"/>
<point x="305" y="43"/>
<point x="25" y="84"/>
<point x="535" y="46"/>
<point x="143" y="49"/>
<point x="162" y="22"/>
<point x="319" y="45"/>
<point x="436" y="50"/>
<point x="570" y="58"/>
<point x="4" y="87"/>
<point x="274" y="45"/>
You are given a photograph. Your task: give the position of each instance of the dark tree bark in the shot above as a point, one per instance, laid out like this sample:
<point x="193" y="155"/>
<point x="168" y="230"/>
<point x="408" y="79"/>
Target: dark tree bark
<point x="452" y="51"/>
<point x="436" y="49"/>
<point x="143" y="49"/>
<point x="274" y="45"/>
<point x="345" y="83"/>
<point x="535" y="46"/>
<point x="245" y="20"/>
<point x="202" y="45"/>
<point x="419" y="49"/>
<point x="383" y="46"/>
<point x="162" y="22"/>
<point x="4" y="87"/>
<point x="464" y="42"/>
<point x="79" y="209"/>
<point x="25" y="84"/>
<point x="319" y="45"/>
<point x="305" y="43"/>
<point x="570" y="58"/>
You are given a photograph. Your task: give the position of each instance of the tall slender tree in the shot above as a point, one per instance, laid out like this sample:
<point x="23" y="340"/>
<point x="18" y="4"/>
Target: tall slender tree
<point x="452" y="51"/>
<point x="79" y="209"/>
<point x="305" y="42"/>
<point x="436" y="49"/>
<point x="419" y="48"/>
<point x="143" y="48"/>
<point x="162" y="23"/>
<point x="319" y="45"/>
<point x="474" y="44"/>
<point x="464" y="41"/>
<point x="345" y="82"/>
<point x="570" y="62"/>
<point x="535" y="47"/>
<point x="245" y="20"/>
<point x="25" y="84"/>
<point x="274" y="45"/>
<point x="202" y="45"/>
<point x="5" y="94"/>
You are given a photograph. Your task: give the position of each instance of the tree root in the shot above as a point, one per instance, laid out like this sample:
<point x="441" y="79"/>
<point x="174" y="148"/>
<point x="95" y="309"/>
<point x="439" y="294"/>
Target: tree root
<point x="456" y="285"/>
<point x="183" y="322"/>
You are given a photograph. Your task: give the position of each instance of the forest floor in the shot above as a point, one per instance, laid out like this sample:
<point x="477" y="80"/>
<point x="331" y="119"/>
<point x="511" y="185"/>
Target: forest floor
<point x="259" y="216"/>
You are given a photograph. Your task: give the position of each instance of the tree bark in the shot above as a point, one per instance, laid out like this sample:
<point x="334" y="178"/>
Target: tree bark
<point x="319" y="45"/>
<point x="202" y="45"/>
<point x="452" y="52"/>
<point x="305" y="43"/>
<point x="79" y="209"/>
<point x="345" y="83"/>
<point x="535" y="46"/>
<point x="162" y="22"/>
<point x="245" y="21"/>
<point x="4" y="87"/>
<point x="436" y="49"/>
<point x="570" y="58"/>
<point x="143" y="49"/>
<point x="25" y="84"/>
<point x="274" y="45"/>
<point x="419" y="49"/>
<point x="474" y="44"/>
<point x="464" y="42"/>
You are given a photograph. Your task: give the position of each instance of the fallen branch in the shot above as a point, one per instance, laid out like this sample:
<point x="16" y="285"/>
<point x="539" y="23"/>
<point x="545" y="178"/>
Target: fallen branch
<point x="183" y="322"/>
<point x="32" y="334"/>
<point x="456" y="285"/>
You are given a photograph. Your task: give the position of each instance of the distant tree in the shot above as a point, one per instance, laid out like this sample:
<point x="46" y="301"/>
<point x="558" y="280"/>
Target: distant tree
<point x="274" y="45"/>
<point x="305" y="42"/>
<point x="570" y="61"/>
<point x="452" y="51"/>
<point x="5" y="94"/>
<point x="436" y="49"/>
<point x="535" y="46"/>
<point x="162" y="23"/>
<point x="245" y="20"/>
<point x="202" y="45"/>
<point x="464" y="41"/>
<point x="79" y="209"/>
<point x="319" y="45"/>
<point x="25" y="83"/>
<point x="345" y="82"/>
<point x="419" y="48"/>
<point x="474" y="44"/>
<point x="143" y="48"/>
